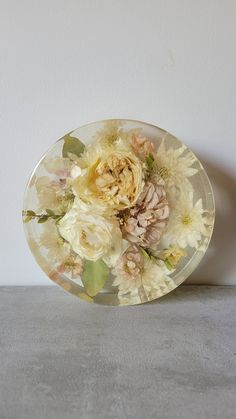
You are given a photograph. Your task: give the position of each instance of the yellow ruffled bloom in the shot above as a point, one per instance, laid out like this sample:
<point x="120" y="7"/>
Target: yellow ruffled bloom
<point x="113" y="176"/>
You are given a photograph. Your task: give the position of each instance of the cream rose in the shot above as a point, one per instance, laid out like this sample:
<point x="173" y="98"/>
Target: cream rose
<point x="91" y="235"/>
<point x="113" y="178"/>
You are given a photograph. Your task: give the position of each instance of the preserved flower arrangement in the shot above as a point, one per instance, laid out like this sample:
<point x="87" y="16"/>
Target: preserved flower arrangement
<point x="119" y="212"/>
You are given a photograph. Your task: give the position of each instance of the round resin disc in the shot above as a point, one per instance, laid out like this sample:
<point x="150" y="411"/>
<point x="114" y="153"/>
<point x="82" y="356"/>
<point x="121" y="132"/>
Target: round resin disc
<point x="118" y="212"/>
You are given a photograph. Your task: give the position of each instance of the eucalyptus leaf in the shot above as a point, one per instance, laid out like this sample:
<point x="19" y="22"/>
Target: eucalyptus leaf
<point x="72" y="145"/>
<point x="30" y="213"/>
<point x="50" y="212"/>
<point x="27" y="219"/>
<point x="94" y="276"/>
<point x="42" y="219"/>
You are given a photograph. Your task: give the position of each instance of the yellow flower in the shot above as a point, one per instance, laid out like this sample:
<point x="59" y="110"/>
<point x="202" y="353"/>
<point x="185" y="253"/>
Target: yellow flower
<point x="113" y="176"/>
<point x="91" y="235"/>
<point x="172" y="256"/>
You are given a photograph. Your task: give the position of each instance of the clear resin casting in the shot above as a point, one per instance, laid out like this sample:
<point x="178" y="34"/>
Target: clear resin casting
<point x="118" y="212"/>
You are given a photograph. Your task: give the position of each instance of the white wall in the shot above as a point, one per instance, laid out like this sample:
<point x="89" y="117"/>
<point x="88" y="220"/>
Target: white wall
<point x="64" y="63"/>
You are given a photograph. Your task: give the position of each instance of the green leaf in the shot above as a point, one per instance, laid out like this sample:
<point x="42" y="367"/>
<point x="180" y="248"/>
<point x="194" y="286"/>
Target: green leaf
<point x="27" y="219"/>
<point x="30" y="213"/>
<point x="57" y="219"/>
<point x="144" y="253"/>
<point x="94" y="276"/>
<point x="42" y="219"/>
<point x="50" y="212"/>
<point x="72" y="145"/>
<point x="168" y="265"/>
<point x="150" y="161"/>
<point x="85" y="297"/>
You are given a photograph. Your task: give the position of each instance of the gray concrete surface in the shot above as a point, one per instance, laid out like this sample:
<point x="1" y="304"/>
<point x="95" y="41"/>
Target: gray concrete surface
<point x="62" y="358"/>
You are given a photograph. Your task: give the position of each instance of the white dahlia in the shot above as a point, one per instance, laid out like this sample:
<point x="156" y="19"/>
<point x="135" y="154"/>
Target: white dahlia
<point x="188" y="223"/>
<point x="175" y="166"/>
<point x="139" y="278"/>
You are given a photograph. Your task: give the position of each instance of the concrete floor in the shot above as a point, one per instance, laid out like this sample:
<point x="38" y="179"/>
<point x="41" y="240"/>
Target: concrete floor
<point x="62" y="358"/>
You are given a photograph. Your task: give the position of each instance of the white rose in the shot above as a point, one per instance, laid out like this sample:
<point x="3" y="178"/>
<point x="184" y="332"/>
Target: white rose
<point x="91" y="235"/>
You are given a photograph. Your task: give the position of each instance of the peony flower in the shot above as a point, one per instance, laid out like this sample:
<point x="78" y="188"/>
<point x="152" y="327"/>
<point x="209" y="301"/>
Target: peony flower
<point x="141" y="146"/>
<point x="187" y="224"/>
<point x="56" y="195"/>
<point x="175" y="166"/>
<point x="91" y="235"/>
<point x="139" y="278"/>
<point x="113" y="177"/>
<point x="146" y="221"/>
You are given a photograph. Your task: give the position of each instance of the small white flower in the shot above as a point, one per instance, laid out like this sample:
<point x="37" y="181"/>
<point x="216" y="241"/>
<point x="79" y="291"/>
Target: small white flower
<point x="110" y="131"/>
<point x="53" y="194"/>
<point x="57" y="248"/>
<point x="188" y="223"/>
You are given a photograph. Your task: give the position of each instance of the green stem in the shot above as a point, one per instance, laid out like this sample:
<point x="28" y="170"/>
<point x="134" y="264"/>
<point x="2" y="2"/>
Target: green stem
<point x="42" y="218"/>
